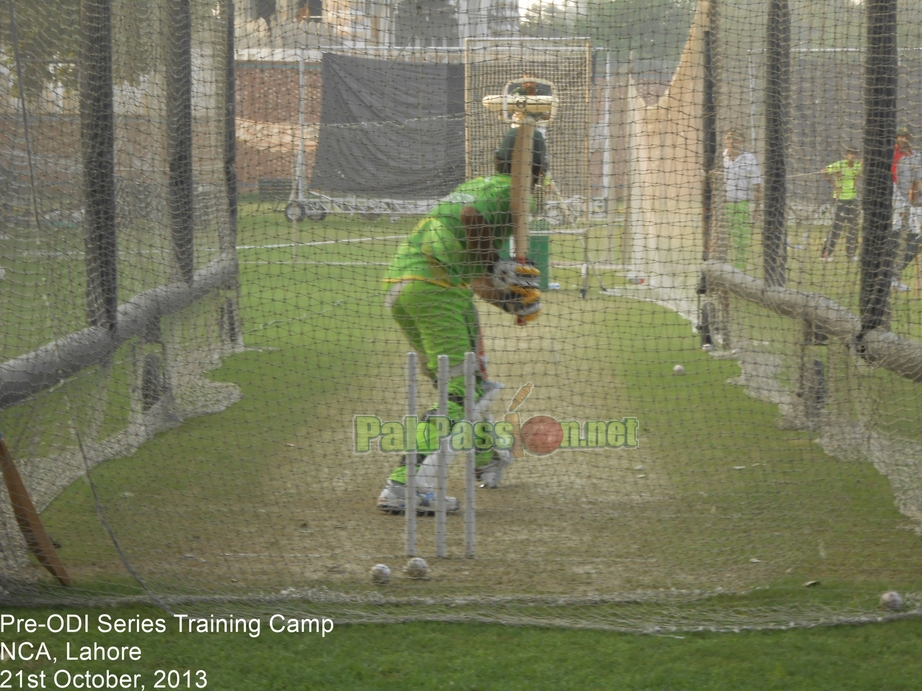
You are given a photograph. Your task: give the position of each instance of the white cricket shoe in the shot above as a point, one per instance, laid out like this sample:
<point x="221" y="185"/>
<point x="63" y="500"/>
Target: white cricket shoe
<point x="393" y="499"/>
<point x="491" y="474"/>
<point x="899" y="287"/>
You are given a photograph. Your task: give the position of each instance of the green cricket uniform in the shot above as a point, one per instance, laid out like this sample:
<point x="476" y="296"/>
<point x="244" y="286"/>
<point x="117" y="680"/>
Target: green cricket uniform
<point x="847" y="212"/>
<point x="436" y="252"/>
<point x="429" y="282"/>
<point x="845" y="177"/>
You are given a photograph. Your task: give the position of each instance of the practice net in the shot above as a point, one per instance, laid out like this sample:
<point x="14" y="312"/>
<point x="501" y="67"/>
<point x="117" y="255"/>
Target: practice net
<point x="723" y="420"/>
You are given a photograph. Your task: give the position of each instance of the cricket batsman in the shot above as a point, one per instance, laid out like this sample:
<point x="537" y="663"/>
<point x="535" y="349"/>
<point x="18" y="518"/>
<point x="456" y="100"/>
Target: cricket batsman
<point x="451" y="255"/>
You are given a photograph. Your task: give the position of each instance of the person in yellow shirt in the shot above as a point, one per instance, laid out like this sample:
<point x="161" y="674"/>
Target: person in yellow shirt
<point x="843" y="176"/>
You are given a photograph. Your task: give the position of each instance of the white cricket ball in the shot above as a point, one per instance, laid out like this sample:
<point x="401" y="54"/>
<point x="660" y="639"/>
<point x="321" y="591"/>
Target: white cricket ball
<point x="891" y="600"/>
<point x="678" y="369"/>
<point x="417" y="568"/>
<point x="380" y="574"/>
<point x="707" y="347"/>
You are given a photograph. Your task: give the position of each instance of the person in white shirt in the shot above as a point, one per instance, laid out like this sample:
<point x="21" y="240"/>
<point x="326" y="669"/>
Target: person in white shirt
<point x="743" y="181"/>
<point x="907" y="198"/>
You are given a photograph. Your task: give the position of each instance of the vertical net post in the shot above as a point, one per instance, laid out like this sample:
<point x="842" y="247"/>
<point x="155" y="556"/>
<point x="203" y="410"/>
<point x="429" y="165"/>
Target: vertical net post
<point x="470" y="384"/>
<point x="777" y="105"/>
<point x="227" y="237"/>
<point x="410" y="428"/>
<point x="298" y="188"/>
<point x="881" y="70"/>
<point x="469" y="104"/>
<point x="441" y="516"/>
<point x="98" y="143"/>
<point x="709" y="124"/>
<point x="179" y="137"/>
<point x="229" y="240"/>
<point x="607" y="153"/>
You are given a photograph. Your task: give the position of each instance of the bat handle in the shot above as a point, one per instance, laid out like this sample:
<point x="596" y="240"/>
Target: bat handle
<point x="520" y="321"/>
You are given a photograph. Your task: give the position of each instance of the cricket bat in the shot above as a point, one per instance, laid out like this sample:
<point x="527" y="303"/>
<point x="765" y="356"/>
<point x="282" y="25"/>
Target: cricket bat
<point x="520" y="202"/>
<point x="27" y="517"/>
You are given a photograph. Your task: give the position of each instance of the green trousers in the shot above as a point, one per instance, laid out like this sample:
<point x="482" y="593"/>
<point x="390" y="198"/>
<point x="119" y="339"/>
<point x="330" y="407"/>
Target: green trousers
<point x="439" y="321"/>
<point x="740" y="228"/>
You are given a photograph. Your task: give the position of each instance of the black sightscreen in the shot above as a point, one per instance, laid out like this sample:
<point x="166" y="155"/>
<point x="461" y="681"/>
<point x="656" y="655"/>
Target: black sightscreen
<point x="390" y="129"/>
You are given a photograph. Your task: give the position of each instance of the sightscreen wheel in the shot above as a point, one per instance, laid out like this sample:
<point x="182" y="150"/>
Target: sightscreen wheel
<point x="294" y="212"/>
<point x="314" y="211"/>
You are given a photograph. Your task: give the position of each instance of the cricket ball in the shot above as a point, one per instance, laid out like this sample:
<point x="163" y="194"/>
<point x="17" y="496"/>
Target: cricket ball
<point x="380" y="574"/>
<point x="417" y="568"/>
<point x="541" y="435"/>
<point x="891" y="600"/>
<point x="678" y="369"/>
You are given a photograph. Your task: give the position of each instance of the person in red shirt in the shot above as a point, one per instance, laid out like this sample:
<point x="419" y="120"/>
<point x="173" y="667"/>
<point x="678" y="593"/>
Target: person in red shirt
<point x="907" y="196"/>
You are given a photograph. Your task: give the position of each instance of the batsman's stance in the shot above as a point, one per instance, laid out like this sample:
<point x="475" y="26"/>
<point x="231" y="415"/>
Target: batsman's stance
<point x="452" y="254"/>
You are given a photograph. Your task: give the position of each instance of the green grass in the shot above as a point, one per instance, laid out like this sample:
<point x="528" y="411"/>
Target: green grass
<point x="729" y="486"/>
<point x="721" y="485"/>
<point x="880" y="657"/>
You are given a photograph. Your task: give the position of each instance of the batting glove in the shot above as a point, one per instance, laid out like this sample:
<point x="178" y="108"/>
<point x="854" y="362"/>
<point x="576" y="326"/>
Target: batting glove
<point x="518" y="286"/>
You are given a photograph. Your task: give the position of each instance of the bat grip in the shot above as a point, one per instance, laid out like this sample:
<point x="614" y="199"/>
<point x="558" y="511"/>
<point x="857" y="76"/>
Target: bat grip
<point x="520" y="321"/>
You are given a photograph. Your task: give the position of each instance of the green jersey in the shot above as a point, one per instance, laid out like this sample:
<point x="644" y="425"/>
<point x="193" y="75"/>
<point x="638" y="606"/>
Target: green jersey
<point x="437" y="252"/>
<point x="844" y="178"/>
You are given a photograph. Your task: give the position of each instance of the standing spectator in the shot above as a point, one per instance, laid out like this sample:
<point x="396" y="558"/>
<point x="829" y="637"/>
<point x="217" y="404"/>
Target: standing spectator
<point x="743" y="182"/>
<point x="843" y="175"/>
<point x="907" y="194"/>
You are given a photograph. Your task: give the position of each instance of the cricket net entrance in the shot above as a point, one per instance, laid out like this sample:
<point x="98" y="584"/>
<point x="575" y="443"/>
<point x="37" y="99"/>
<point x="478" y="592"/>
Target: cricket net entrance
<point x="739" y="435"/>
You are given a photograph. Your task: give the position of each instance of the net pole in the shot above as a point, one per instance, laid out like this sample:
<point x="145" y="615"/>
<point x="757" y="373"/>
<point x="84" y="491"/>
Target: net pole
<point x="878" y="248"/>
<point x="777" y="100"/>
<point x="606" y="153"/>
<point x="97" y="118"/>
<point x="752" y="99"/>
<point x="627" y="237"/>
<point x="302" y="101"/>
<point x="471" y="460"/>
<point x="468" y="106"/>
<point x="179" y="137"/>
<point x="410" y="428"/>
<point x="709" y="125"/>
<point x="229" y="239"/>
<point x="584" y="285"/>
<point x="587" y="184"/>
<point x="300" y="158"/>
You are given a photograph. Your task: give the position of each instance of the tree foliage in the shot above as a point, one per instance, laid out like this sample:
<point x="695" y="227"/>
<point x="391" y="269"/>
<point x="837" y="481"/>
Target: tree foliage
<point x="652" y="29"/>
<point x="50" y="40"/>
